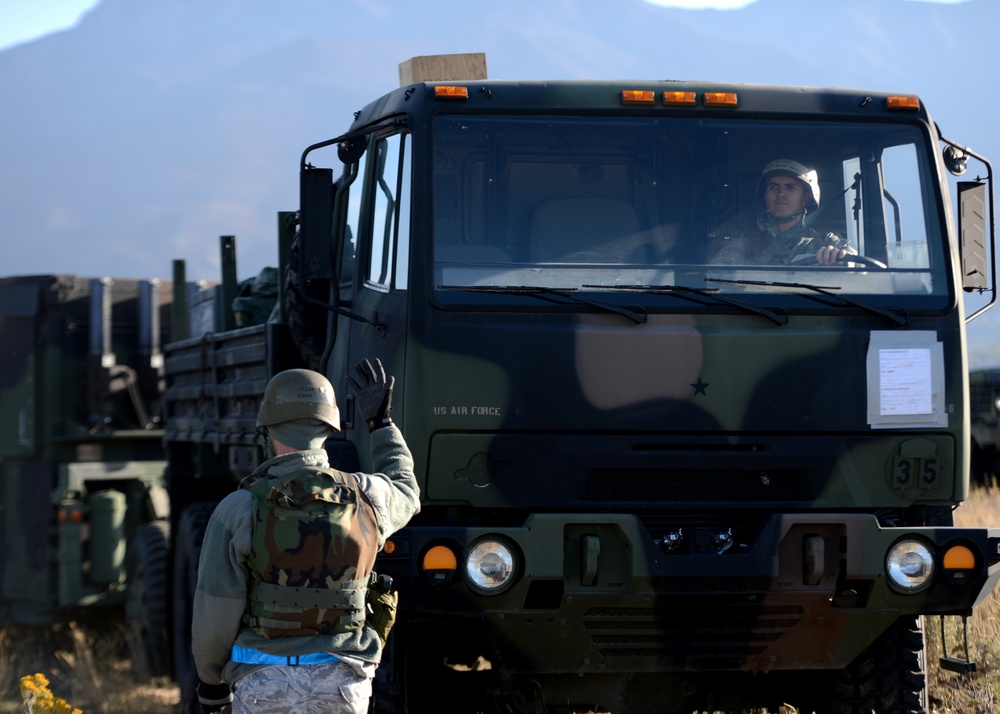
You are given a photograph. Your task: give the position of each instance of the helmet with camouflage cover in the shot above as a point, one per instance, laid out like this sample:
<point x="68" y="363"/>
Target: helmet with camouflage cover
<point x="298" y="394"/>
<point x="788" y="167"/>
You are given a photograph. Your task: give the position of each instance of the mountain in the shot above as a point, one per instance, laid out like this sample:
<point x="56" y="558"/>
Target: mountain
<point x="155" y="126"/>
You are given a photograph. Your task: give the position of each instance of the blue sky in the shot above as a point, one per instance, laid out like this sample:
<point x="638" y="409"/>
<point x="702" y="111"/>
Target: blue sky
<point x="26" y="20"/>
<point x="737" y="4"/>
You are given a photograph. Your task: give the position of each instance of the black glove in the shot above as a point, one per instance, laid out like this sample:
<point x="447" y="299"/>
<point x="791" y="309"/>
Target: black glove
<point x="213" y="698"/>
<point x="373" y="393"/>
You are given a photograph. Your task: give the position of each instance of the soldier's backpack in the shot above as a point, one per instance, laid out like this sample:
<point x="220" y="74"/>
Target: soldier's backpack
<point x="315" y="537"/>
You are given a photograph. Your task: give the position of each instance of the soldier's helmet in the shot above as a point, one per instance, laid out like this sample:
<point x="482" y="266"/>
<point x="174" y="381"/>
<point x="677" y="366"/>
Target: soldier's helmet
<point x="788" y="167"/>
<point x="298" y="394"/>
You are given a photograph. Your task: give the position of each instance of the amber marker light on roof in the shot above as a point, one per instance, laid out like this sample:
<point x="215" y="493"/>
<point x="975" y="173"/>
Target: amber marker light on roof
<point x="679" y="97"/>
<point x="720" y="99"/>
<point x="902" y="102"/>
<point x="450" y="91"/>
<point x="637" y="96"/>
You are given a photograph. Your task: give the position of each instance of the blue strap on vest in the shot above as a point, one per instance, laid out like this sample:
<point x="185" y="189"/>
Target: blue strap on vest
<point x="248" y="655"/>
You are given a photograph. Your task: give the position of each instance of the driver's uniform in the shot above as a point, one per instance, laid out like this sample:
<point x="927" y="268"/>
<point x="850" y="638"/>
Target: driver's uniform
<point x="768" y="245"/>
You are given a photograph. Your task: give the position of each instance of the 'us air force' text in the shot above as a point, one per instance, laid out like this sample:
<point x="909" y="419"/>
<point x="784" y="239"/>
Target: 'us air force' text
<point x="466" y="411"/>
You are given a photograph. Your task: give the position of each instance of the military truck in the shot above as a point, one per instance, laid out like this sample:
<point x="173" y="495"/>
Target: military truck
<point x="81" y="457"/>
<point x="652" y="480"/>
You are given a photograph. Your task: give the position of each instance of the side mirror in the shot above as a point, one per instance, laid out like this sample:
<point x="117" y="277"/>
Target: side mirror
<point x="956" y="160"/>
<point x="316" y="191"/>
<point x="972" y="234"/>
<point x="350" y="150"/>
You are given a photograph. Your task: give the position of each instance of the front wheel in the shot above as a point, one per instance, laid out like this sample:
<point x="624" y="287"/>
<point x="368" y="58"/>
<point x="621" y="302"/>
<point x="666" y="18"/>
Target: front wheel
<point x="889" y="677"/>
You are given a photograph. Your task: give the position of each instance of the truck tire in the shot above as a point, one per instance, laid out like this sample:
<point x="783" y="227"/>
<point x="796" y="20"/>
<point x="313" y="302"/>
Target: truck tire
<point x="146" y="615"/>
<point x="889" y="677"/>
<point x="187" y="551"/>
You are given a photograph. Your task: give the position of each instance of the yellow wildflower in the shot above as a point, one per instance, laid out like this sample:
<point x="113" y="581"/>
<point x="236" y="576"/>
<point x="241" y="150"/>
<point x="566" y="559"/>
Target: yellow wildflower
<point x="38" y="699"/>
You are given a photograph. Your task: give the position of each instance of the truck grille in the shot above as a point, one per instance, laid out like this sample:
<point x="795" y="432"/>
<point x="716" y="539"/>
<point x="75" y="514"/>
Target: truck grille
<point x="709" y="639"/>
<point x="745" y="486"/>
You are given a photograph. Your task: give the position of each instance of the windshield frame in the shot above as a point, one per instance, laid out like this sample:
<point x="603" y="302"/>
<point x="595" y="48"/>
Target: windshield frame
<point x="913" y="289"/>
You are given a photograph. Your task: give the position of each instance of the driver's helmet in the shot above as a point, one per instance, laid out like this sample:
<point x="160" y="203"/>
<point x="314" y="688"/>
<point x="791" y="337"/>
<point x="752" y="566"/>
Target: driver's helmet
<point x="788" y="167"/>
<point x="298" y="394"/>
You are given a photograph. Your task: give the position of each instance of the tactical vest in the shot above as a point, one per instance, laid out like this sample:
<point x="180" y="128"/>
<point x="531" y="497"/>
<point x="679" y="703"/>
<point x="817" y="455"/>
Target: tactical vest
<point x="315" y="537"/>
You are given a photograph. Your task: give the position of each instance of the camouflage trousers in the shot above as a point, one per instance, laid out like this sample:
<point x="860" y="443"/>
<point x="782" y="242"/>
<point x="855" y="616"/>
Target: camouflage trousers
<point x="303" y="689"/>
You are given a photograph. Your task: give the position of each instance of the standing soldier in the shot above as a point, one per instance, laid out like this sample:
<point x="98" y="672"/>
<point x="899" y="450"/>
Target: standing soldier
<point x="279" y="622"/>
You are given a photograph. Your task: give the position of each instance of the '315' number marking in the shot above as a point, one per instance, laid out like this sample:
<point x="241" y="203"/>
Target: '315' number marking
<point x="915" y="472"/>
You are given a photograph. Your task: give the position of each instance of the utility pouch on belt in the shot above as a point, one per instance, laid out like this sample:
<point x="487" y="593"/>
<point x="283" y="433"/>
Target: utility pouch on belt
<point x="381" y="603"/>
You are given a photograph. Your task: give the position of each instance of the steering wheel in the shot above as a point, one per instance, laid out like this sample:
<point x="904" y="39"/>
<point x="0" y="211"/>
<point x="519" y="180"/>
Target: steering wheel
<point x="863" y="260"/>
<point x="844" y="262"/>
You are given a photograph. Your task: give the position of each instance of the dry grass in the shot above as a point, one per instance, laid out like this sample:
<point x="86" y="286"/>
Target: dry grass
<point x="86" y="666"/>
<point x="89" y="666"/>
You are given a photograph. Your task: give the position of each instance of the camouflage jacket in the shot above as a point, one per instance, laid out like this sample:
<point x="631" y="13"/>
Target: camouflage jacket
<point x="767" y="245"/>
<point x="221" y="596"/>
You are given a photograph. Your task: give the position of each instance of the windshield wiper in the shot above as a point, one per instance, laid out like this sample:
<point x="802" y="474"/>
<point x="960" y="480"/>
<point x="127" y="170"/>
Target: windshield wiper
<point x="823" y="290"/>
<point x="543" y="293"/>
<point x="690" y="293"/>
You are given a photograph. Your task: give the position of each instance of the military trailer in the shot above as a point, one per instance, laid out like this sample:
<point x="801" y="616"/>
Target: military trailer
<point x="984" y="413"/>
<point x="653" y="479"/>
<point x="81" y="457"/>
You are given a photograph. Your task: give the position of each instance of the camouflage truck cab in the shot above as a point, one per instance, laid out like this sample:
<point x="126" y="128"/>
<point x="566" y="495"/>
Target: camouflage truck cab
<point x="638" y="460"/>
<point x="653" y="479"/>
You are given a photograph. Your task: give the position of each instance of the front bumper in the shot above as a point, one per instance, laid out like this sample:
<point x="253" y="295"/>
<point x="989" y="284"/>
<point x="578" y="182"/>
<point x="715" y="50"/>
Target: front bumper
<point x="601" y="593"/>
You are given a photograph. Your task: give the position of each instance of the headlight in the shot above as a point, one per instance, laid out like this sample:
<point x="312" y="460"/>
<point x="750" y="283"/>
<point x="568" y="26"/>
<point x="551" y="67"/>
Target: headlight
<point x="489" y="567"/>
<point x="910" y="565"/>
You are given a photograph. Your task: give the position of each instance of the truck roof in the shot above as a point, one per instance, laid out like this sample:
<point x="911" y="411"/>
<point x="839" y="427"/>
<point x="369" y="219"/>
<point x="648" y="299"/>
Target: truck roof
<point x="666" y="97"/>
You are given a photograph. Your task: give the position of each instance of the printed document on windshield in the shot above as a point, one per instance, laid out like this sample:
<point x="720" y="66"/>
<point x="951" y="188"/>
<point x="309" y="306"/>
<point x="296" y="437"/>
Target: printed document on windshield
<point x="905" y="380"/>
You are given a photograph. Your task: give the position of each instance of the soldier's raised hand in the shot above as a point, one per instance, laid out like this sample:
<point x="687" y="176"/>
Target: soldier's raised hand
<point x="373" y="392"/>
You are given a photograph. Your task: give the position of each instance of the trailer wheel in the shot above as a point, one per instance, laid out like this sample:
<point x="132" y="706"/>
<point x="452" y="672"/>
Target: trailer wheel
<point x="146" y="615"/>
<point x="889" y="677"/>
<point x="190" y="534"/>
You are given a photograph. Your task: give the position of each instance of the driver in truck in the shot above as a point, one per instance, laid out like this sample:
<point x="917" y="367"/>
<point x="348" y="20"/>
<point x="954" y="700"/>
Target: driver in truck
<point x="788" y="191"/>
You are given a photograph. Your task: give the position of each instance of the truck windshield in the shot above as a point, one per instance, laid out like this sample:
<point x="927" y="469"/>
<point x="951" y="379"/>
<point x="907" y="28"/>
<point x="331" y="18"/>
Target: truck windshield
<point x="600" y="202"/>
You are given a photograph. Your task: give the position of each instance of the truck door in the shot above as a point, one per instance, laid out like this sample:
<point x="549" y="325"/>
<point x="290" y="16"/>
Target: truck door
<point x="375" y="263"/>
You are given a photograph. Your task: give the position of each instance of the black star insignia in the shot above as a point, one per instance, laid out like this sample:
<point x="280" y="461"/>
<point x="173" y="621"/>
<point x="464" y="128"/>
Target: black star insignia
<point x="700" y="387"/>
